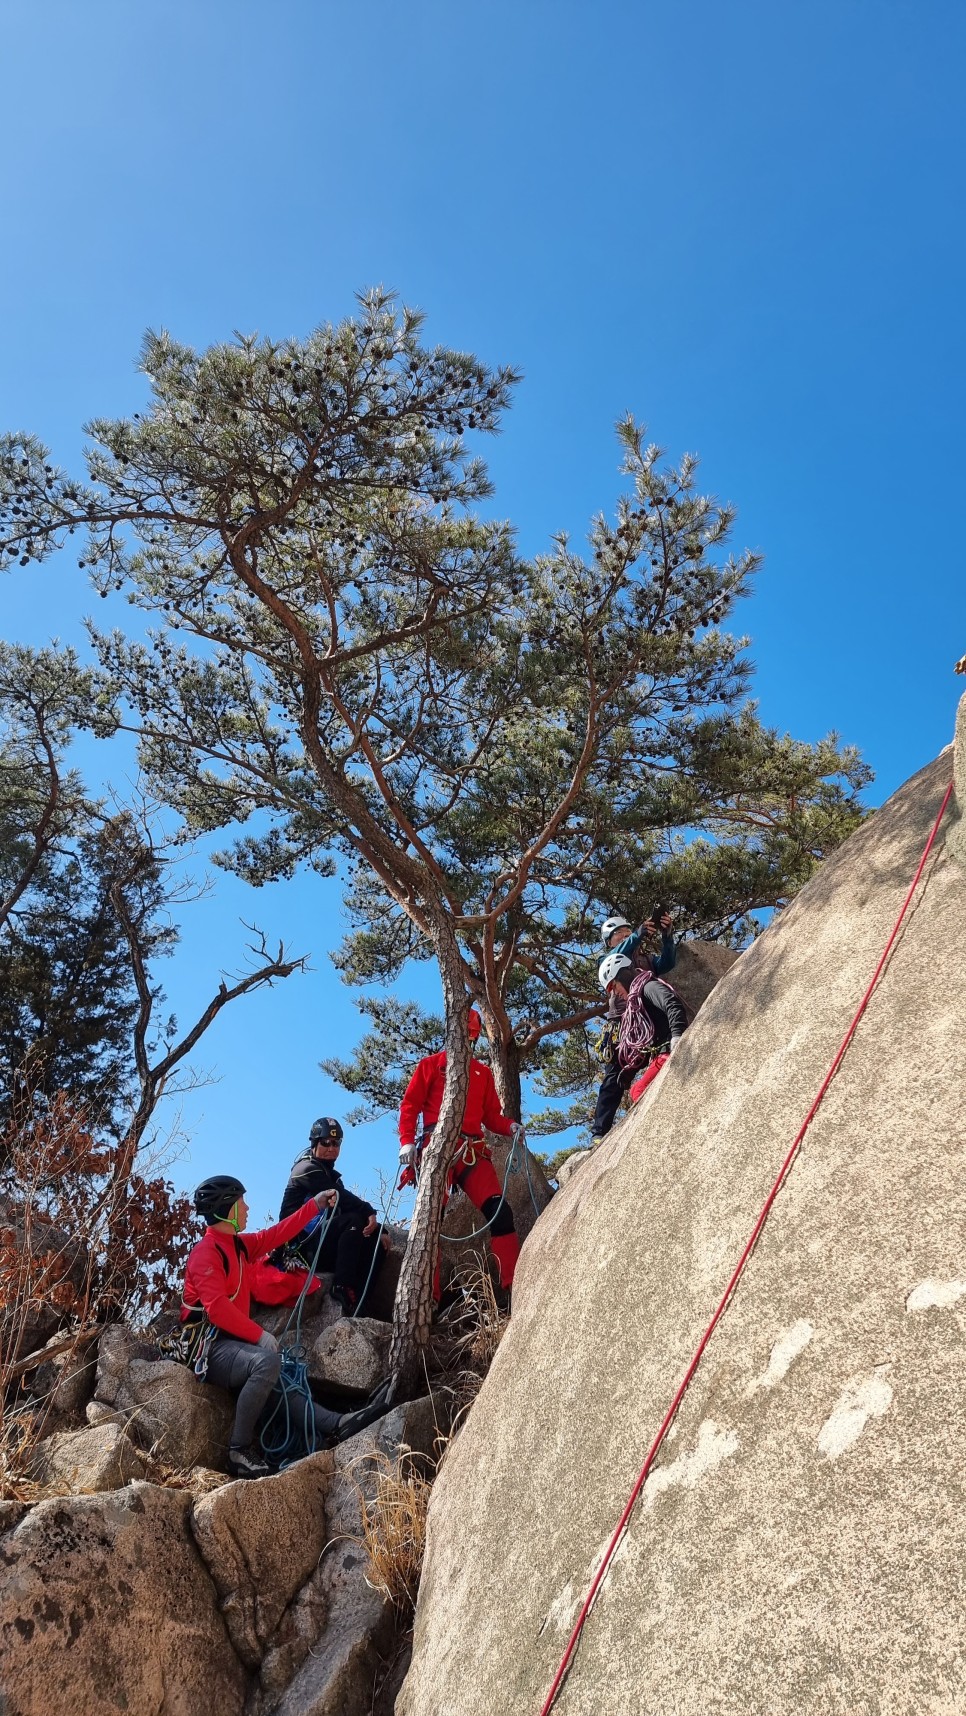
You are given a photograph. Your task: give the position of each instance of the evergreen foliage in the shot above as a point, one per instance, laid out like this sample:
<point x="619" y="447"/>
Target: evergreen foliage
<point x="345" y="662"/>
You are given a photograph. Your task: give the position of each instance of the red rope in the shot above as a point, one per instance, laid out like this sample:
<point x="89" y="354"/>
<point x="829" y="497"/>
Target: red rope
<point x="783" y="1172"/>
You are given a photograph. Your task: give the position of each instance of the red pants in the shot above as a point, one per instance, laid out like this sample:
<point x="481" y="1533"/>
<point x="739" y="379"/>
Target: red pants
<point x="481" y="1184"/>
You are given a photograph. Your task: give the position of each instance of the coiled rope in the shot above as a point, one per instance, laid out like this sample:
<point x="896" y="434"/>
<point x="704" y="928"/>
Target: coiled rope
<point x="281" y="1431"/>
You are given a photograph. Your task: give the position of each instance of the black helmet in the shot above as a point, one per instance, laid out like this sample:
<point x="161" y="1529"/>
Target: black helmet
<point x="325" y="1131"/>
<point x="215" y="1197"/>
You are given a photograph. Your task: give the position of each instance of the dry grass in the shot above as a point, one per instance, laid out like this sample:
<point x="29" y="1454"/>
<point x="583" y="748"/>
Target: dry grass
<point x="395" y="1497"/>
<point x="393" y="1530"/>
<point x="465" y="1340"/>
<point x="19" y="1435"/>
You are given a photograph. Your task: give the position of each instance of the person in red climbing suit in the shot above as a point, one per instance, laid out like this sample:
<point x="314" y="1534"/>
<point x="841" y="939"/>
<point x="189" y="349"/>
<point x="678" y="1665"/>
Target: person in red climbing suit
<point x="472" y="1167"/>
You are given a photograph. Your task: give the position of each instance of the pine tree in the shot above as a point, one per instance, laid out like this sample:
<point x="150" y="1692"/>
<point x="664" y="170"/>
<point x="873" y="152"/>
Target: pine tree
<point x="349" y="661"/>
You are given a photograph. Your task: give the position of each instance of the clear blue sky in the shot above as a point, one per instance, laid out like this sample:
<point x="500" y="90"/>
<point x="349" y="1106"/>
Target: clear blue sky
<point x="743" y="222"/>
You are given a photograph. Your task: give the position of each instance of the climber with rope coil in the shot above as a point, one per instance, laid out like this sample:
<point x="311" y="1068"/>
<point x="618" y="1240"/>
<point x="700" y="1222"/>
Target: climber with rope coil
<point x="472" y="1167"/>
<point x="646" y="1020"/>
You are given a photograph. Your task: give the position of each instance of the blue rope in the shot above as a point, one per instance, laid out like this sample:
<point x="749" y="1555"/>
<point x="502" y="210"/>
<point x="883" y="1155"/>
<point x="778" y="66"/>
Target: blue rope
<point x="293" y="1378"/>
<point x="357" y="1308"/>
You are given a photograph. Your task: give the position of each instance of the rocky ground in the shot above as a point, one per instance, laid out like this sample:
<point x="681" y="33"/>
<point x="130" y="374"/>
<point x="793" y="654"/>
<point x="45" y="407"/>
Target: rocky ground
<point x="139" y="1575"/>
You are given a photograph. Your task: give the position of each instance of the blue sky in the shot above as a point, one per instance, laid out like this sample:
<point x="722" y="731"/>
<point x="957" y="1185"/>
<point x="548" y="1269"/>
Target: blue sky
<point x="742" y="222"/>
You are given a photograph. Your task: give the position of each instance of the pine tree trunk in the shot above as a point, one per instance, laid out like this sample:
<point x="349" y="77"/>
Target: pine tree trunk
<point x="413" y="1311"/>
<point x="505" y="1061"/>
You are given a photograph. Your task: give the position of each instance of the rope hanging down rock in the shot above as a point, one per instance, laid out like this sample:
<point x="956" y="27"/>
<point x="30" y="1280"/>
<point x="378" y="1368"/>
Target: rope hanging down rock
<point x="782" y="1176"/>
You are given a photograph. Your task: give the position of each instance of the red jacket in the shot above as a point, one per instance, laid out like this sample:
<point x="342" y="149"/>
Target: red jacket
<point x="424" y="1096"/>
<point x="217" y="1277"/>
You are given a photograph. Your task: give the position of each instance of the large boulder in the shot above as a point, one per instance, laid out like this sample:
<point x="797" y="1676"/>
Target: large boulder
<point x="800" y="1545"/>
<point x="183" y="1421"/>
<point x="324" y="1655"/>
<point x="260" y="1542"/>
<point x="698" y="969"/>
<point x="350" y="1355"/>
<point x="65" y="1380"/>
<point x="105" y="1605"/>
<point x="102" y="1457"/>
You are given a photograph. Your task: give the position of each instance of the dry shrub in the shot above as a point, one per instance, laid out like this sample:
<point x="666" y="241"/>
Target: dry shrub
<point x="19" y="1434"/>
<point x="63" y="1213"/>
<point x="465" y="1339"/>
<point x="393" y="1531"/>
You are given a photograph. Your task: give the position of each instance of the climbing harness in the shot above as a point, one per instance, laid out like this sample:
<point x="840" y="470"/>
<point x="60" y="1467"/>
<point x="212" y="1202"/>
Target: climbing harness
<point x="781" y="1177"/>
<point x="517" y="1156"/>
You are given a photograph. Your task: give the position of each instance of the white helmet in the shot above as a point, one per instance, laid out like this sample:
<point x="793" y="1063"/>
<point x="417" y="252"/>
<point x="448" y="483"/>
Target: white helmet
<point x="612" y="967"/>
<point x="608" y="927"/>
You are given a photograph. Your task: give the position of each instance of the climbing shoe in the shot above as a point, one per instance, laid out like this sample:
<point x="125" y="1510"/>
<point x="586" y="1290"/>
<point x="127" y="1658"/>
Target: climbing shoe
<point x="343" y="1296"/>
<point x="247" y="1463"/>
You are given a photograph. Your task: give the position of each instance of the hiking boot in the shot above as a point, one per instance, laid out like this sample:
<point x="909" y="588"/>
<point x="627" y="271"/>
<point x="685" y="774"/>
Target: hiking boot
<point x="352" y="1422"/>
<point x="248" y="1463"/>
<point x="344" y="1296"/>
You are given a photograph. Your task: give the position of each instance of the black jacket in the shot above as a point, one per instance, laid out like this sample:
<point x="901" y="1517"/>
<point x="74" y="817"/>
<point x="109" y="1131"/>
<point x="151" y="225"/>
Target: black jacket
<point x="310" y="1176"/>
<point x="666" y="1010"/>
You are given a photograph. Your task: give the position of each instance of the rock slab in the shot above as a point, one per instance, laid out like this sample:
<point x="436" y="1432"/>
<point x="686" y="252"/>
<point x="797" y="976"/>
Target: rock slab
<point x="260" y="1542"/>
<point x="82" y="1462"/>
<point x="106" y="1606"/>
<point x="800" y="1547"/>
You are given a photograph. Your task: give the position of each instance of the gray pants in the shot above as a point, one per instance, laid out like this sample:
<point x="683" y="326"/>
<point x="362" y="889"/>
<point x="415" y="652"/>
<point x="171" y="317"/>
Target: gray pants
<point x="252" y="1371"/>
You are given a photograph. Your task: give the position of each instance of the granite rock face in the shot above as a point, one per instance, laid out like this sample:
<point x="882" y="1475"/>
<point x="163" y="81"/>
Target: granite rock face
<point x="80" y="1462"/>
<point x="800" y="1545"/>
<point x="105" y="1606"/>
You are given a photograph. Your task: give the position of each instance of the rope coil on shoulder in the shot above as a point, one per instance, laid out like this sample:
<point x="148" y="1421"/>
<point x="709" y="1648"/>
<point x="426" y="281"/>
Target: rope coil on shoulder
<point x="722" y="1306"/>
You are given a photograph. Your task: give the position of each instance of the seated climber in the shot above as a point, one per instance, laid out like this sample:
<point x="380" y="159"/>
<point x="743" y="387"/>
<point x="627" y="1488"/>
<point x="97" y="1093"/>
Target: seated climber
<point x="644" y="1037"/>
<point x="472" y="1167"/>
<point x="235" y="1352"/>
<point x="353" y="1246"/>
<point x="618" y="937"/>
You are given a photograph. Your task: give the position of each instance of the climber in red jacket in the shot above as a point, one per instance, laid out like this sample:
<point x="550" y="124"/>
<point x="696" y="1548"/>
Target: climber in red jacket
<point x="244" y="1357"/>
<point x="472" y="1167"/>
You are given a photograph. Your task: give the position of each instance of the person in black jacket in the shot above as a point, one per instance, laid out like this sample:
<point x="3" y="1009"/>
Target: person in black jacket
<point x="352" y="1236"/>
